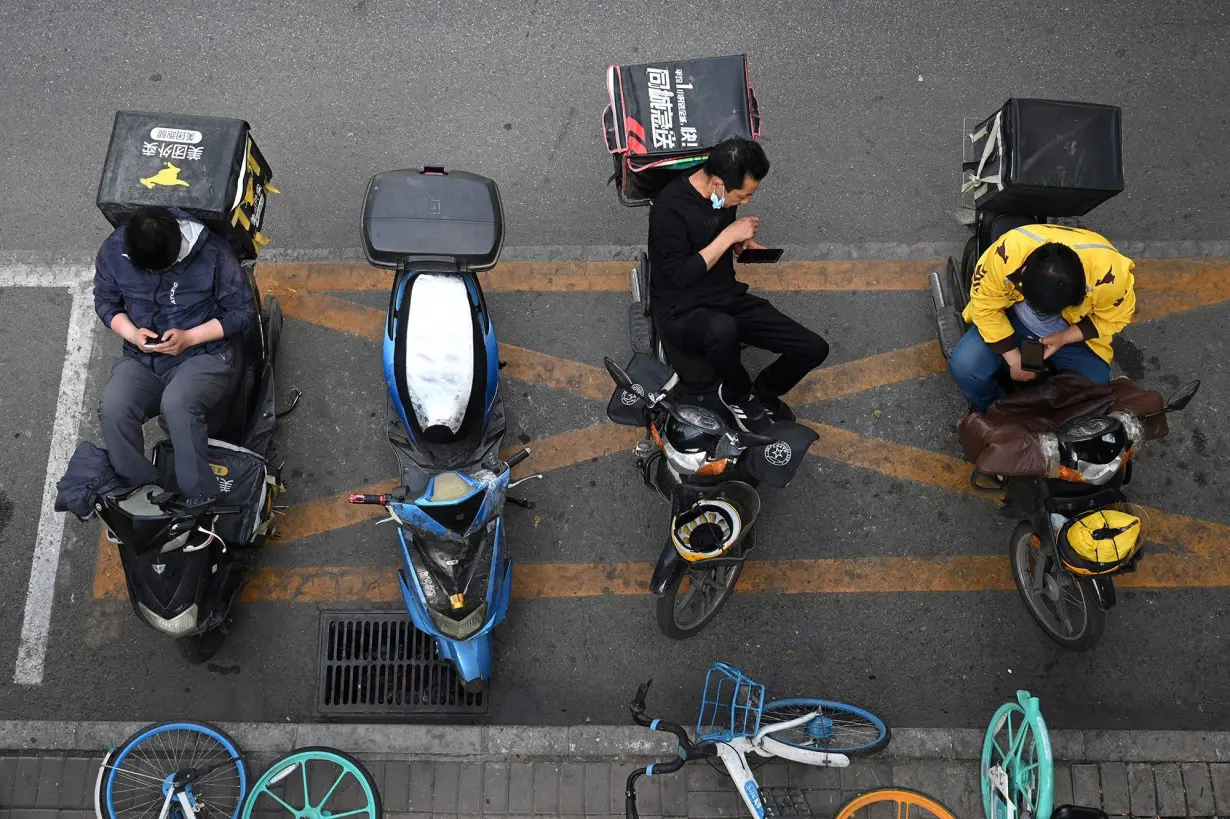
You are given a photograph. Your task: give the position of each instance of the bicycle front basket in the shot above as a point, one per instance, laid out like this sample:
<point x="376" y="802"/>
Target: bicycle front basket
<point x="730" y="705"/>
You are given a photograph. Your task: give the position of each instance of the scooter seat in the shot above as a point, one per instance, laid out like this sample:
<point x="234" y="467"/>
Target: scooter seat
<point x="138" y="504"/>
<point x="439" y="358"/>
<point x="693" y="370"/>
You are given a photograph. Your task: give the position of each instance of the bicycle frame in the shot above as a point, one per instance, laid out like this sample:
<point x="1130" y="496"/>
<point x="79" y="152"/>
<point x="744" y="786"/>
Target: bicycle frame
<point x="734" y="756"/>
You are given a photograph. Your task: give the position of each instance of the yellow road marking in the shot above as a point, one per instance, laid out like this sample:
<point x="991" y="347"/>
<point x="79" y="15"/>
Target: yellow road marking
<point x="1209" y="276"/>
<point x="868" y="373"/>
<point x="1170" y="286"/>
<point x="874" y="575"/>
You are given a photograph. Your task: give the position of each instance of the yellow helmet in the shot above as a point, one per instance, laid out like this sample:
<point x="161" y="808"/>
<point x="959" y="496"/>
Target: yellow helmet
<point x="1099" y="542"/>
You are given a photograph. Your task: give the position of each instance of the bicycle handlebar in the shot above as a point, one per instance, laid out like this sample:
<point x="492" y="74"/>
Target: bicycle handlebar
<point x="687" y="750"/>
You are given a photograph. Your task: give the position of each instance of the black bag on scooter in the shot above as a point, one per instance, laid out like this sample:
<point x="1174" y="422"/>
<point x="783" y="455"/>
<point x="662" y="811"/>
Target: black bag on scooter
<point x="1045" y="157"/>
<point x="664" y="117"/>
<point x="207" y="166"/>
<point x="242" y="481"/>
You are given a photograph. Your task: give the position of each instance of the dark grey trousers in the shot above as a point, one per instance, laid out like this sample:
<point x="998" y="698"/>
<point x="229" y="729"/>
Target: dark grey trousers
<point x="182" y="397"/>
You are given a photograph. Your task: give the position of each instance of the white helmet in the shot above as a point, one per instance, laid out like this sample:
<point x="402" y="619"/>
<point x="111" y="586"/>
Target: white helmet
<point x="710" y="528"/>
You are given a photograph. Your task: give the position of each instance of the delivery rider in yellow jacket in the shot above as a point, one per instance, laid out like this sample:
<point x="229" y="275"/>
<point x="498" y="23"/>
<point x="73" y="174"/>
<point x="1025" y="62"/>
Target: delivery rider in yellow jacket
<point x="1067" y="287"/>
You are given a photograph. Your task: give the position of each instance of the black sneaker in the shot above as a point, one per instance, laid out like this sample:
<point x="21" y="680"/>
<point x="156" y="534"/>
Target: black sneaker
<point x="750" y="415"/>
<point x="777" y="408"/>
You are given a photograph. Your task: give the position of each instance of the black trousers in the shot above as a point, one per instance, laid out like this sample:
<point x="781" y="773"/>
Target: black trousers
<point x="183" y="397"/>
<point x="717" y="330"/>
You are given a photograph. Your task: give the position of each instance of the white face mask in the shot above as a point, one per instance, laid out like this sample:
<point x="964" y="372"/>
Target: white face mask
<point x="718" y="203"/>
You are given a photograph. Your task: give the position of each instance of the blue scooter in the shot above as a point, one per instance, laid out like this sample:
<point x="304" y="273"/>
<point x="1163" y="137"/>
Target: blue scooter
<point x="438" y="229"/>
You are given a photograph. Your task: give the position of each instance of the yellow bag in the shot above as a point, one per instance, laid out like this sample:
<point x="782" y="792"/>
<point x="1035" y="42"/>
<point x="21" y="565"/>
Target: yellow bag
<point x="1100" y="542"/>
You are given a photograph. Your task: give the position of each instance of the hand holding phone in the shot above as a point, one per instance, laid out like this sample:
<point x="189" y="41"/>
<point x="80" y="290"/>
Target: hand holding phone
<point x="760" y="255"/>
<point x="1033" y="355"/>
<point x="151" y="342"/>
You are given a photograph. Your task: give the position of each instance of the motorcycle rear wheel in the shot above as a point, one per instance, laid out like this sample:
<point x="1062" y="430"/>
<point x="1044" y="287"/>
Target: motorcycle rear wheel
<point x="1066" y="608"/>
<point x="695" y="597"/>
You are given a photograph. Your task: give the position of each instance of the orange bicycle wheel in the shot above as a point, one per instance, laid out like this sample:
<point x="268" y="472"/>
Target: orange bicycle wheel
<point x="907" y="804"/>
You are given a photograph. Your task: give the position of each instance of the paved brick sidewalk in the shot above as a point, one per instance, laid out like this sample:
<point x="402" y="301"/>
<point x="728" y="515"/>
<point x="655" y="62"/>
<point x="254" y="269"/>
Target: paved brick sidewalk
<point x="61" y="786"/>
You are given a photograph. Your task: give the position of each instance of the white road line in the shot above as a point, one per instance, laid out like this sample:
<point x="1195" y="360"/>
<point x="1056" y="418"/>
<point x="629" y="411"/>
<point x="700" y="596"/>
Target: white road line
<point x="40" y="594"/>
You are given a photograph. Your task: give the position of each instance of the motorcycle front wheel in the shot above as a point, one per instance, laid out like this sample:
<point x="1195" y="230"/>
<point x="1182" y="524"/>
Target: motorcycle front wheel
<point x="695" y="597"/>
<point x="1066" y="608"/>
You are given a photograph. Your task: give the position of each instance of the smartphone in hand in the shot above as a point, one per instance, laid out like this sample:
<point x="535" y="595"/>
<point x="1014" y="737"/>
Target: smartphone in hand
<point x="760" y="255"/>
<point x="151" y="343"/>
<point x="1033" y="356"/>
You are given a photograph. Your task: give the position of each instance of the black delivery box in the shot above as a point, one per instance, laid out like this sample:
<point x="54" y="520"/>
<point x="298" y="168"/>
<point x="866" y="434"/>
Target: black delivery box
<point x="207" y="166"/>
<point x="1051" y="158"/>
<point x="411" y="215"/>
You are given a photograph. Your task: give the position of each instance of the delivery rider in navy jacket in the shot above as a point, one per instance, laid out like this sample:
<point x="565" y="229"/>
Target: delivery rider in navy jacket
<point x="177" y="296"/>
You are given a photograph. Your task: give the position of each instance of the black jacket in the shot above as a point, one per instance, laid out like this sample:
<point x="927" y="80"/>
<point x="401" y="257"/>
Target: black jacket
<point x="681" y="224"/>
<point x="207" y="283"/>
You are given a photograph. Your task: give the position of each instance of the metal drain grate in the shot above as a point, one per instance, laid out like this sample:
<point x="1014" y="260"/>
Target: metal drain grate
<point x="377" y="664"/>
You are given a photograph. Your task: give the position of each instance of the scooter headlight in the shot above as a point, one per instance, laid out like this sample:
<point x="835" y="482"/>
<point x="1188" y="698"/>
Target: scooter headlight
<point x="179" y="625"/>
<point x="460" y="629"/>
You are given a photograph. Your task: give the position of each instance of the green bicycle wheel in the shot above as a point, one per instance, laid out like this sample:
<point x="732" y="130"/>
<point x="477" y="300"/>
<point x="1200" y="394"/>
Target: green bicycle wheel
<point x="315" y="783"/>
<point x="1017" y="767"/>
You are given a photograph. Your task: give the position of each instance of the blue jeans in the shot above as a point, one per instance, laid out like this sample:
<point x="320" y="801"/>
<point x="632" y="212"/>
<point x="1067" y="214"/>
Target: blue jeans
<point x="973" y="365"/>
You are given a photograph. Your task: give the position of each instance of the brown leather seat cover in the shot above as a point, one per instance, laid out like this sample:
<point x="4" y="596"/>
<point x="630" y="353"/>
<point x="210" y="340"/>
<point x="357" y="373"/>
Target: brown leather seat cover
<point x="1004" y="439"/>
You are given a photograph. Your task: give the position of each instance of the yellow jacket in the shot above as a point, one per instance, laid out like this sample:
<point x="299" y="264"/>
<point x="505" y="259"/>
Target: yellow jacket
<point x="1110" y="297"/>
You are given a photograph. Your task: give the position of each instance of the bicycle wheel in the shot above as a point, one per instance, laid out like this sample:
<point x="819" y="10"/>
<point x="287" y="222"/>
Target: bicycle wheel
<point x="313" y="783"/>
<point x="839" y="729"/>
<point x="905" y="804"/>
<point x="199" y="759"/>
<point x="1016" y="765"/>
<point x="695" y="597"/>
<point x="1064" y="607"/>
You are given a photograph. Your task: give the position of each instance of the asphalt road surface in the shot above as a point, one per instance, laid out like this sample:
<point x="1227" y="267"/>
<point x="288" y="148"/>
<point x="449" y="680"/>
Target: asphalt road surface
<point x="862" y="104"/>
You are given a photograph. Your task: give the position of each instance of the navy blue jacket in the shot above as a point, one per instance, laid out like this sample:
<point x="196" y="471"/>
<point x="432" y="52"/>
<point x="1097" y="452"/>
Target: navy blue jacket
<point x="206" y="284"/>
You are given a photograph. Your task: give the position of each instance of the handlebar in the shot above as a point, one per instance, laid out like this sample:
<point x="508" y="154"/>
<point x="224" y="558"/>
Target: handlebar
<point x="375" y="500"/>
<point x="518" y="458"/>
<point x="687" y="750"/>
<point x="624" y="382"/>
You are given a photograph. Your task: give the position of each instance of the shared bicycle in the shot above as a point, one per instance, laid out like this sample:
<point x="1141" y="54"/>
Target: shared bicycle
<point x="188" y="770"/>
<point x="735" y="721"/>
<point x="1018" y="769"/>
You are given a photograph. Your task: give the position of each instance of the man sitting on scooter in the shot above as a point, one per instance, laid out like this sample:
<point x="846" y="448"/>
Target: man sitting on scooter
<point x="175" y="293"/>
<point x="699" y="306"/>
<point x="1067" y="287"/>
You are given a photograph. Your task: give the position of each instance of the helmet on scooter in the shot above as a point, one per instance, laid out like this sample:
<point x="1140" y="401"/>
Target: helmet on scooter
<point x="710" y="528"/>
<point x="1102" y="541"/>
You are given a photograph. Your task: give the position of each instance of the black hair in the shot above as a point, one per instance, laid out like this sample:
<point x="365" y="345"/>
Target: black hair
<point x="734" y="160"/>
<point x="1054" y="278"/>
<point x="151" y="238"/>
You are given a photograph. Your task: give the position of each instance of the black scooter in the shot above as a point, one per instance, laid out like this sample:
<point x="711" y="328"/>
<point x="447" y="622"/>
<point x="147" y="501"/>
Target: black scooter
<point x="184" y="568"/>
<point x="697" y="460"/>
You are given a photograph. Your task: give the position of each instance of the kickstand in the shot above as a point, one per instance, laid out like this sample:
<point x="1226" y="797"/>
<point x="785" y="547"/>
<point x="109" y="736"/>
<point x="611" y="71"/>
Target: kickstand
<point x="522" y="502"/>
<point x="295" y="395"/>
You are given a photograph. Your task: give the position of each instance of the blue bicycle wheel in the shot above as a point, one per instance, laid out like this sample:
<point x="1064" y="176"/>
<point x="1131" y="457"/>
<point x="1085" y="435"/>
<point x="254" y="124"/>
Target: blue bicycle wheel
<point x="169" y="757"/>
<point x="838" y="729"/>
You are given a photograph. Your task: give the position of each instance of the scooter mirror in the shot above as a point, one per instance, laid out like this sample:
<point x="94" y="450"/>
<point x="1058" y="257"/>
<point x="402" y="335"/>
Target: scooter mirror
<point x="618" y="375"/>
<point x="1183" y="396"/>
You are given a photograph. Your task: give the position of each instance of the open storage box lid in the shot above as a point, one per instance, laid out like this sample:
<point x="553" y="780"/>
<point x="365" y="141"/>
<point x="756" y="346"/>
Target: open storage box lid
<point x="432" y="213"/>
